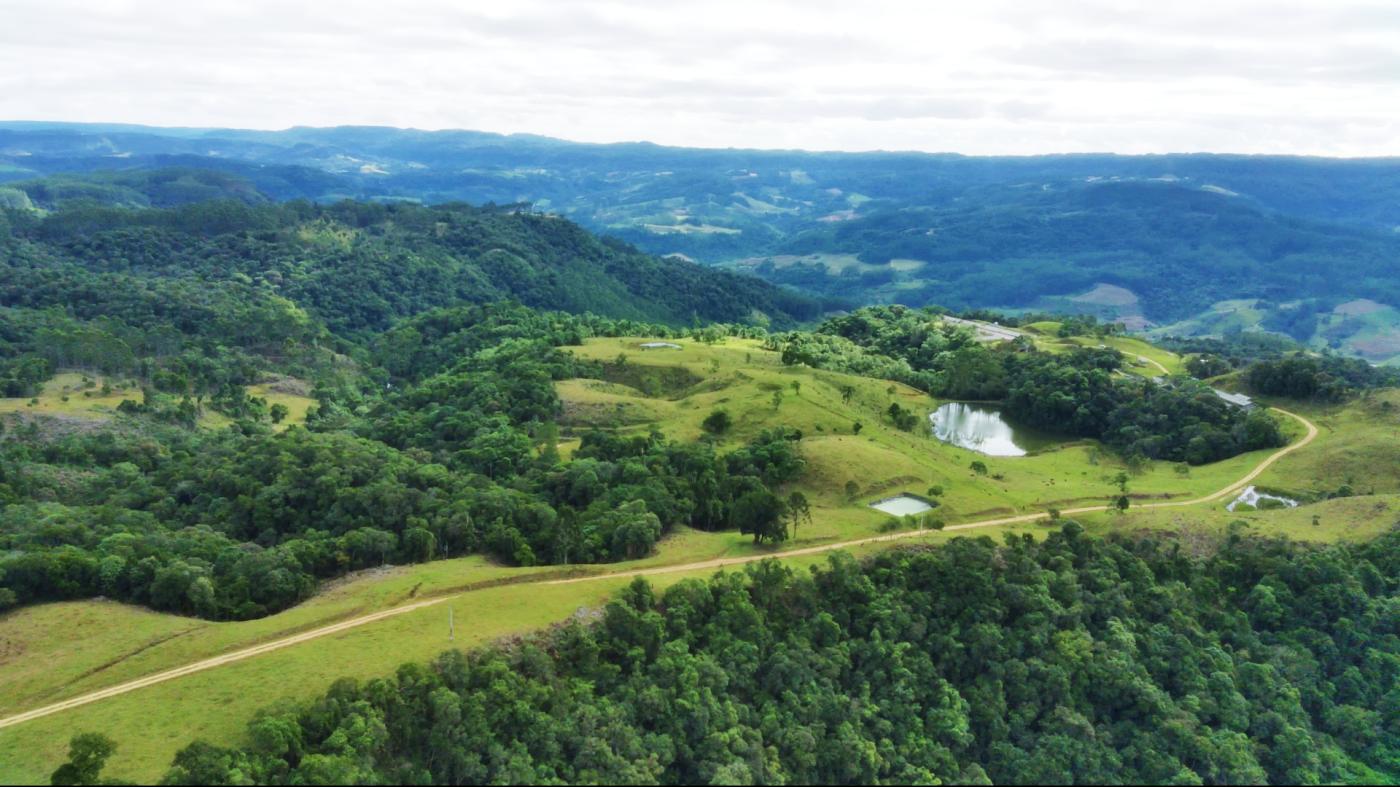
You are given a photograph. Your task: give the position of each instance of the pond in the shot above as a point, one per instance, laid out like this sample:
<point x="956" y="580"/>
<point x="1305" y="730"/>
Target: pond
<point x="902" y="505"/>
<point x="982" y="428"/>
<point x="659" y="346"/>
<point x="1252" y="497"/>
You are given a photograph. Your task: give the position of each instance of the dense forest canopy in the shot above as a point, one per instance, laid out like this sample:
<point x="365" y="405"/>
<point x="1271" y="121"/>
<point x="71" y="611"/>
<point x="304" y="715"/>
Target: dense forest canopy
<point x="192" y="288"/>
<point x="242" y="522"/>
<point x="435" y="400"/>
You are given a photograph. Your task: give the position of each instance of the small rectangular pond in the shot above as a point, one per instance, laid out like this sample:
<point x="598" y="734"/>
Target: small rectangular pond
<point x="659" y="346"/>
<point x="903" y="505"/>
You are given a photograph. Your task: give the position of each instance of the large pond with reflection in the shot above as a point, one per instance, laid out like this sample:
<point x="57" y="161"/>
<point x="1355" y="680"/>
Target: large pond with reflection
<point x="982" y="428"/>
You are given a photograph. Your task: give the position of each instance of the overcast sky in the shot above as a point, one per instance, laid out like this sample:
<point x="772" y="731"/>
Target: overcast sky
<point x="981" y="76"/>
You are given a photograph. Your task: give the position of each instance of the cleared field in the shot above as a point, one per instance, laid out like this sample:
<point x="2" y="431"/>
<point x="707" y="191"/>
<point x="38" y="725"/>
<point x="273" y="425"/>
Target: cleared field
<point x="1359" y="446"/>
<point x="742" y="378"/>
<point x="79" y="397"/>
<point x="296" y="404"/>
<point x="1141" y="358"/>
<point x="116" y="643"/>
<point x="835" y="264"/>
<point x="75" y="395"/>
<point x="690" y="229"/>
<point x="1342" y="519"/>
<point x="1362" y="326"/>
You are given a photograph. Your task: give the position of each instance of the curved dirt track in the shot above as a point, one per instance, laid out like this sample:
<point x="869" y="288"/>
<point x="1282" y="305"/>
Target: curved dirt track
<point x="255" y="650"/>
<point x="199" y="666"/>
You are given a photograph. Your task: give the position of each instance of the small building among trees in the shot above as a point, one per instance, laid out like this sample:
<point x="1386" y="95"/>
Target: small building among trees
<point x="1238" y="400"/>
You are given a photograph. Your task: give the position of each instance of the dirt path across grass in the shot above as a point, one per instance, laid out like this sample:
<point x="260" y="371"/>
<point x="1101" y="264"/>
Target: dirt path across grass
<point x="1158" y="365"/>
<point x="306" y="636"/>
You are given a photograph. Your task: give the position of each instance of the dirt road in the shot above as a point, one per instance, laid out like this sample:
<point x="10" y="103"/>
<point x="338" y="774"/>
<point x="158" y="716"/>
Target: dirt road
<point x="267" y="647"/>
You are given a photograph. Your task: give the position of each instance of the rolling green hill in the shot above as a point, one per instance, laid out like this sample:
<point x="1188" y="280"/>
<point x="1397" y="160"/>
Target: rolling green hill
<point x="1157" y="241"/>
<point x="490" y="600"/>
<point x="1152" y="253"/>
<point x="249" y="448"/>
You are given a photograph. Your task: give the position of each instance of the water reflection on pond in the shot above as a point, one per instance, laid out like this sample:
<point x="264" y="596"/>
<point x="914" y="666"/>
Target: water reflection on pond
<point x="982" y="428"/>
<point x="902" y="505"/>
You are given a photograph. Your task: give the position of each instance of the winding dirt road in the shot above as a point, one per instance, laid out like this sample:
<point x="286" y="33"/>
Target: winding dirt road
<point x="306" y="636"/>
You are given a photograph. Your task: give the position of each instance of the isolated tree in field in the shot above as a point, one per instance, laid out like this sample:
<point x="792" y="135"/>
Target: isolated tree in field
<point x="777" y="399"/>
<point x="798" y="511"/>
<point x="87" y="754"/>
<point x="1136" y="462"/>
<point x="278" y="412"/>
<point x="904" y="420"/>
<point x="796" y="387"/>
<point x="978" y="466"/>
<point x="852" y="489"/>
<point x="759" y="513"/>
<point x="856" y="427"/>
<point x="717" y="422"/>
<point x="1121" y="504"/>
<point x="847" y="391"/>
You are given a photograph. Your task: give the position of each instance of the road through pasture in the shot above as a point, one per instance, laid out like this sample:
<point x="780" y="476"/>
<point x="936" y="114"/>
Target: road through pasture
<point x="334" y="628"/>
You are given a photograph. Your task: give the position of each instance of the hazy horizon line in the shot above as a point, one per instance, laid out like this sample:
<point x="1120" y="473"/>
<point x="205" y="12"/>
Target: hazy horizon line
<point x="281" y="129"/>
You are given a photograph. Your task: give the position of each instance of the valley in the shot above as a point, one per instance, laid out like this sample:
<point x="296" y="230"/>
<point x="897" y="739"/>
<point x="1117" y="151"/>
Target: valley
<point x="1186" y="245"/>
<point x="699" y="394"/>
<point x="139" y="673"/>
<point x="264" y="459"/>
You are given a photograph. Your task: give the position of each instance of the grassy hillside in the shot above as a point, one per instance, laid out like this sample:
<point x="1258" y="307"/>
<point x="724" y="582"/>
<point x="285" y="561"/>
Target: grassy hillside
<point x="670" y="390"/>
<point x="1359" y="326"/>
<point x="742" y="379"/>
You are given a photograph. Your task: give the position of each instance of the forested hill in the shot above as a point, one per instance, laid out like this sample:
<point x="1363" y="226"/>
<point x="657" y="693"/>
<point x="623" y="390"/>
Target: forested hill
<point x="1175" y="249"/>
<point x="358" y="267"/>
<point x="1194" y="245"/>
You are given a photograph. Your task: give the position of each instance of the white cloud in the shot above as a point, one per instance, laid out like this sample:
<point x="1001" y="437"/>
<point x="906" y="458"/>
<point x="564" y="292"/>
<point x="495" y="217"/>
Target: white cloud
<point x="988" y="76"/>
